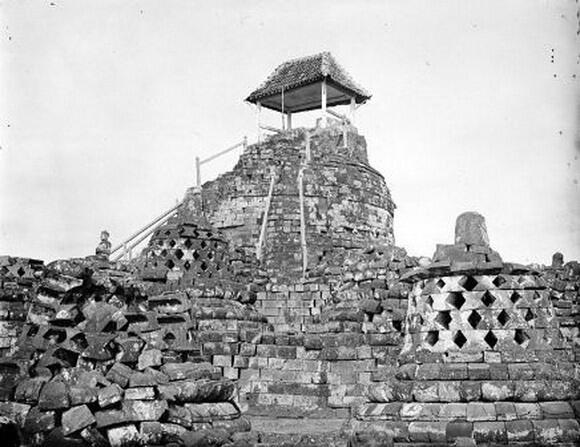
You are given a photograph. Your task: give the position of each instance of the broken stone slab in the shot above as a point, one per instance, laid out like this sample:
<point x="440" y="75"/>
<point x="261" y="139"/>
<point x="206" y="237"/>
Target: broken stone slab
<point x="140" y="393"/>
<point x="149" y="358"/>
<point x="28" y="390"/>
<point x="14" y="411"/>
<point x="139" y="410"/>
<point x="199" y="391"/>
<point x="39" y="421"/>
<point x="110" y="395"/>
<point x="107" y="418"/>
<point x="76" y="419"/>
<point x="160" y="433"/>
<point x="208" y="412"/>
<point x="189" y="370"/>
<point x="149" y="377"/>
<point x="470" y="229"/>
<point x="54" y="396"/>
<point x="82" y="395"/>
<point x="93" y="437"/>
<point x="120" y="374"/>
<point x="123" y="436"/>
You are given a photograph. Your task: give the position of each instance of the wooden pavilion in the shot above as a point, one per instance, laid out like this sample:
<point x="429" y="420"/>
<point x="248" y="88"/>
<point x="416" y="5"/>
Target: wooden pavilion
<point x="308" y="83"/>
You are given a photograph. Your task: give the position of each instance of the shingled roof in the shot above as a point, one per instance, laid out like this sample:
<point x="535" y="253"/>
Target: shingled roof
<point x="304" y="71"/>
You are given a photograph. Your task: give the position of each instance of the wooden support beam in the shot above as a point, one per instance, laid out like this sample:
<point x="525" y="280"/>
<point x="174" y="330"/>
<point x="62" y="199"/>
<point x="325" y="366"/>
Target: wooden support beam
<point x="259" y="120"/>
<point x="302" y="222"/>
<point x="197" y="172"/>
<point x="352" y="110"/>
<point x="289" y="119"/>
<point x="265" y="215"/>
<point x="323" y="103"/>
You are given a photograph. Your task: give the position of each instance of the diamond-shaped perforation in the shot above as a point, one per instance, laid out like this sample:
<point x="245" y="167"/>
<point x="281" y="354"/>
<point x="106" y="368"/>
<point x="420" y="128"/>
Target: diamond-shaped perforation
<point x="429" y="301"/>
<point x="195" y="255"/>
<point x="188" y="243"/>
<point x="468" y="283"/>
<point x="499" y="281"/>
<point x="178" y="253"/>
<point x="488" y="299"/>
<point x="521" y="337"/>
<point x="474" y="319"/>
<point x="490" y="339"/>
<point x="444" y="318"/>
<point x="459" y="339"/>
<point x="529" y="316"/>
<point x="456" y="299"/>
<point x="432" y="337"/>
<point x="172" y="243"/>
<point x="515" y="297"/>
<point x="440" y="283"/>
<point x="170" y="264"/>
<point x="503" y="318"/>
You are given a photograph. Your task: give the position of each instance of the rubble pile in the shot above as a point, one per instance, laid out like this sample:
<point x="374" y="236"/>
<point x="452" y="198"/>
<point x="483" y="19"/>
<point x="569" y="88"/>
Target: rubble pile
<point x="564" y="282"/>
<point x="104" y="360"/>
<point x="19" y="278"/>
<point x="483" y="359"/>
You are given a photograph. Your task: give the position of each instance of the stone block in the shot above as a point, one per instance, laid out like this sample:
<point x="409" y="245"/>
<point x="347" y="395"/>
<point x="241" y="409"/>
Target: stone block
<point x="54" y="396"/>
<point x="28" y="390"/>
<point x="455" y="430"/>
<point x="138" y="410"/>
<point x="470" y="391"/>
<point x="528" y="410"/>
<point x="82" y="395"/>
<point x="453" y="412"/>
<point x="570" y="430"/>
<point x="140" y="393"/>
<point x="107" y="418"/>
<point x="124" y="436"/>
<point x="120" y="374"/>
<point x="497" y="391"/>
<point x="149" y="358"/>
<point x="37" y="421"/>
<point x="490" y="433"/>
<point x="519" y="431"/>
<point x="76" y="419"/>
<point x="548" y="432"/>
<point x="556" y="410"/>
<point x="477" y="411"/>
<point x="109" y="395"/>
<point x="449" y="391"/>
<point x="506" y="411"/>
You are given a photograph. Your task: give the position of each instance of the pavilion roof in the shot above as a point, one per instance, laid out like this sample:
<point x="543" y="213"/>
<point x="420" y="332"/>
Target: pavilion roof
<point x="308" y="70"/>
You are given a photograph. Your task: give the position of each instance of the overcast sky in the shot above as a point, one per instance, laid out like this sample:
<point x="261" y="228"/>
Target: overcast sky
<point x="105" y="104"/>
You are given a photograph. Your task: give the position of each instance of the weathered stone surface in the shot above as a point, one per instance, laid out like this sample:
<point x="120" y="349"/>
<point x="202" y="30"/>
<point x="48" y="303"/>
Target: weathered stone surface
<point x="110" y="395"/>
<point x="76" y="419"/>
<point x="144" y="410"/>
<point x="150" y="357"/>
<point x="54" y="396"/>
<point x="123" y="436"/>
<point x="470" y="229"/>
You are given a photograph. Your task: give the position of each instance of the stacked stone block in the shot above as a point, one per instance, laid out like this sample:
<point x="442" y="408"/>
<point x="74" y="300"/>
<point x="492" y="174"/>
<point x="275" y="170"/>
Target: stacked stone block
<point x="19" y="278"/>
<point x="346" y="203"/>
<point x="483" y="359"/>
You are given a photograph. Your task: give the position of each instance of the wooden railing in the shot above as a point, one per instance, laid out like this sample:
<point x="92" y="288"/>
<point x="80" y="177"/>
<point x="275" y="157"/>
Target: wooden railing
<point x="126" y="247"/>
<point x="198" y="162"/>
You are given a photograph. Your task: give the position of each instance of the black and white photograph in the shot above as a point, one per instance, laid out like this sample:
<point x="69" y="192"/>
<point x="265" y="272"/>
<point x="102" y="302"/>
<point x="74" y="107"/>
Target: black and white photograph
<point x="269" y="223"/>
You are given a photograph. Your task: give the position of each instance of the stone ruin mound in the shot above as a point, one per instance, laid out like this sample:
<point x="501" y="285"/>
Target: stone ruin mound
<point x="104" y="360"/>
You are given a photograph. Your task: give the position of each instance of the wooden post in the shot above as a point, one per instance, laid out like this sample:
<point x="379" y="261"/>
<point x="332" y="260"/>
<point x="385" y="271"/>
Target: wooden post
<point x="323" y="102"/>
<point x="282" y="114"/>
<point x="352" y="110"/>
<point x="259" y="120"/>
<point x="289" y="119"/>
<point x="197" y="172"/>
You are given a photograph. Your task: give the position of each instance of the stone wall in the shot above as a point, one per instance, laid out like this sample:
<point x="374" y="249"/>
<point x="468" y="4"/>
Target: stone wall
<point x="346" y="202"/>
